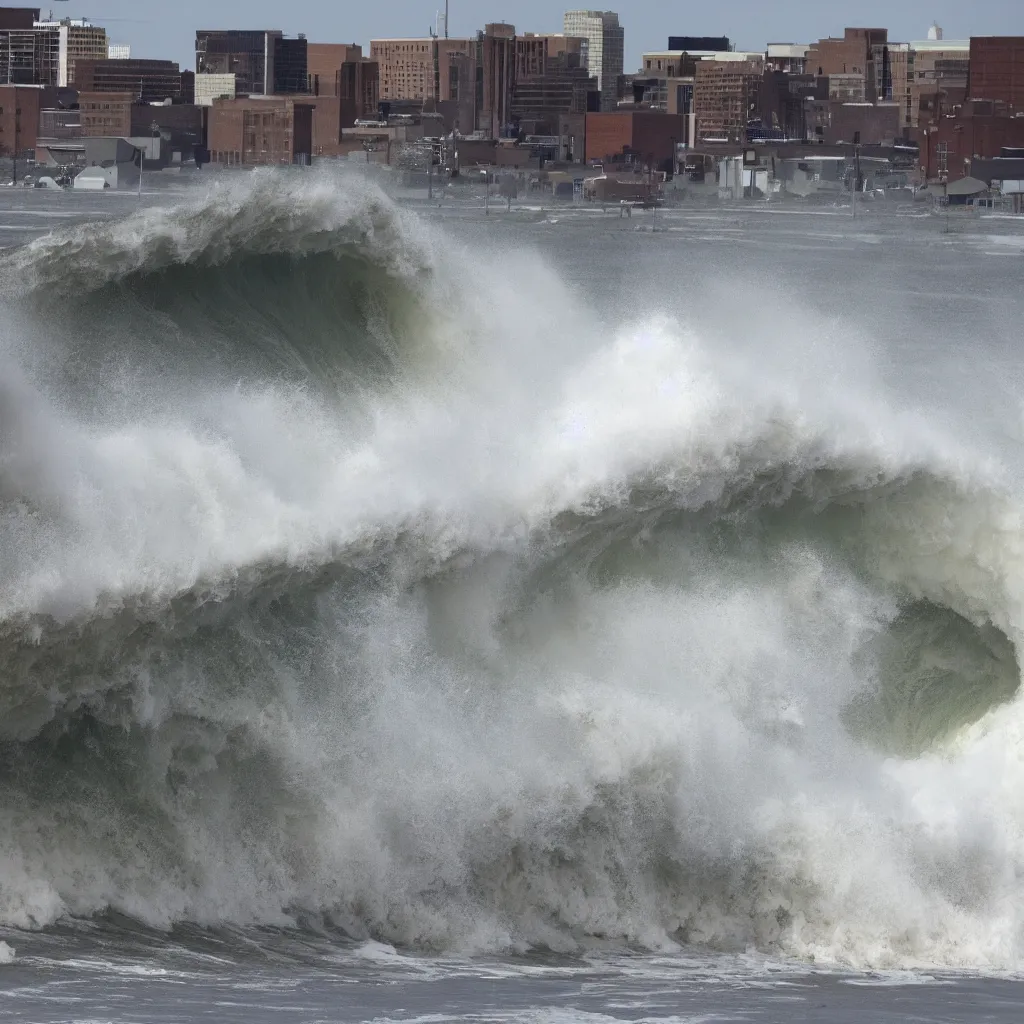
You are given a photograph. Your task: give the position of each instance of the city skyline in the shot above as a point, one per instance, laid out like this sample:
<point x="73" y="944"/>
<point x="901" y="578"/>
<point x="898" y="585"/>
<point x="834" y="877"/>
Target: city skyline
<point x="170" y="32"/>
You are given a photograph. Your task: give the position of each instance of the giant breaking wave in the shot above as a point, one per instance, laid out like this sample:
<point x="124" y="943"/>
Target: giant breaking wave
<point x="342" y="585"/>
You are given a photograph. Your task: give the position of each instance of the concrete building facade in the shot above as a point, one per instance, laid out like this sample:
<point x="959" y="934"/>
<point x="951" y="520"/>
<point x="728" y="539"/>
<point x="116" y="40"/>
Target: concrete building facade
<point x="76" y="40"/>
<point x="214" y="87"/>
<point x="29" y="56"/>
<point x="605" y="49"/>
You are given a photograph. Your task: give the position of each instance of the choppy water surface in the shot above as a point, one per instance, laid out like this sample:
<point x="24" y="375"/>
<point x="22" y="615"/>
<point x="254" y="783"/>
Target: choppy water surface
<point x="411" y="614"/>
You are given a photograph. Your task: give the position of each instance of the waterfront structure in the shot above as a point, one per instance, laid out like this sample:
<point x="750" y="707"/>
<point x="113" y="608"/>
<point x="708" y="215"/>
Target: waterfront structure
<point x="605" y="49"/>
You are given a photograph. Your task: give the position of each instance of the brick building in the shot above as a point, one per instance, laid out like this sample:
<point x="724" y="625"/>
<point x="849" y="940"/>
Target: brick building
<point x="248" y="132"/>
<point x="892" y="66"/>
<point x="633" y="136"/>
<point x="420" y="69"/>
<point x="496" y="60"/>
<point x="997" y="71"/>
<point x="534" y="52"/>
<point x="324" y="62"/>
<point x="180" y="125"/>
<point x="149" y="81"/>
<point x="726" y="98"/>
<point x="104" y="114"/>
<point x="358" y="91"/>
<point x="980" y="130"/>
<point x="834" y="123"/>
<point x="851" y="55"/>
<point x="938" y="72"/>
<point x="539" y="101"/>
<point x="20" y="108"/>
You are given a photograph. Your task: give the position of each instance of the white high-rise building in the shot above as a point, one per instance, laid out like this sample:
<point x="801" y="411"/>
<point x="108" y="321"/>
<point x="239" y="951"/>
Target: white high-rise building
<point x="605" y="49"/>
<point x="77" y="40"/>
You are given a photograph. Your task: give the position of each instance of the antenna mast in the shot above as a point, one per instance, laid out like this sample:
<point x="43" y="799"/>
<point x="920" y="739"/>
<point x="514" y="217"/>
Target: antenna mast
<point x="446" y="19"/>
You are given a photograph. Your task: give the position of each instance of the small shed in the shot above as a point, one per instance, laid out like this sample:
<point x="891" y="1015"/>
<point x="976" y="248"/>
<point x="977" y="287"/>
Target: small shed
<point x="965" y="192"/>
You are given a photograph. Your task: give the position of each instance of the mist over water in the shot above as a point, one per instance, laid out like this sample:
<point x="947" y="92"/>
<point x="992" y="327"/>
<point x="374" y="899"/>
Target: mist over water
<point x="354" y="580"/>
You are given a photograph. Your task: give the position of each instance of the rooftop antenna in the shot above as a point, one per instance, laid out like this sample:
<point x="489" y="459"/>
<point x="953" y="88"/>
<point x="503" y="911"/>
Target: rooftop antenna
<point x="446" y="19"/>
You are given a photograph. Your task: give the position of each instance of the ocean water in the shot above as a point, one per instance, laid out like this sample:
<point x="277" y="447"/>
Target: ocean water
<point x="413" y="614"/>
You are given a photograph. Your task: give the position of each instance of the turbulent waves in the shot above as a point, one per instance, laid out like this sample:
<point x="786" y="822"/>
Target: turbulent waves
<point x="339" y="589"/>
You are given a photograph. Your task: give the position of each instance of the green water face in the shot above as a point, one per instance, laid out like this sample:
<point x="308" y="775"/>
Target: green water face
<point x="935" y="673"/>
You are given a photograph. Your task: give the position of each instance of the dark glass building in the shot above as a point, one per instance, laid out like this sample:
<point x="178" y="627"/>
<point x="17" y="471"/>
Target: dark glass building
<point x="700" y="44"/>
<point x="264" y="63"/>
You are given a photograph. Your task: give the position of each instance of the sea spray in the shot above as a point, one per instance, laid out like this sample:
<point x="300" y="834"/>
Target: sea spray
<point x="341" y="595"/>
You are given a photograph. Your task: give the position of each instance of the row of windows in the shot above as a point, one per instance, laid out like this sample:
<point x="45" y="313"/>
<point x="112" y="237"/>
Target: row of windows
<point x="387" y="51"/>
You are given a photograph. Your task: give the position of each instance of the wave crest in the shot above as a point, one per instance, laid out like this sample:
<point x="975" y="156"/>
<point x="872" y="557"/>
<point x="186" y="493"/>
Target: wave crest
<point x="516" y="645"/>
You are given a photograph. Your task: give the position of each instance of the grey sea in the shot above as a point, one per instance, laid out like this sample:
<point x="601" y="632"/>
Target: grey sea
<point x="413" y="611"/>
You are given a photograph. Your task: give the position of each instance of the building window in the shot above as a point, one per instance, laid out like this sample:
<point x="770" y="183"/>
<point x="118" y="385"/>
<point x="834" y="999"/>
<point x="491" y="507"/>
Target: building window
<point x="942" y="152"/>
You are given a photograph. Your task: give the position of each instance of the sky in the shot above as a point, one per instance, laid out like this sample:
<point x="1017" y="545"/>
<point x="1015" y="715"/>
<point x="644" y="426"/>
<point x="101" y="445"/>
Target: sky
<point x="166" y="28"/>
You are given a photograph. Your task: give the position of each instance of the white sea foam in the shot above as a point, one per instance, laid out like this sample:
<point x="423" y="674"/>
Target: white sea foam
<point x="519" y="647"/>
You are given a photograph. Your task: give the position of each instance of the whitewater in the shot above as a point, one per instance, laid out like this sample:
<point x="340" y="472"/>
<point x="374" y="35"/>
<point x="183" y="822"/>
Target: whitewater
<point x="363" y="581"/>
